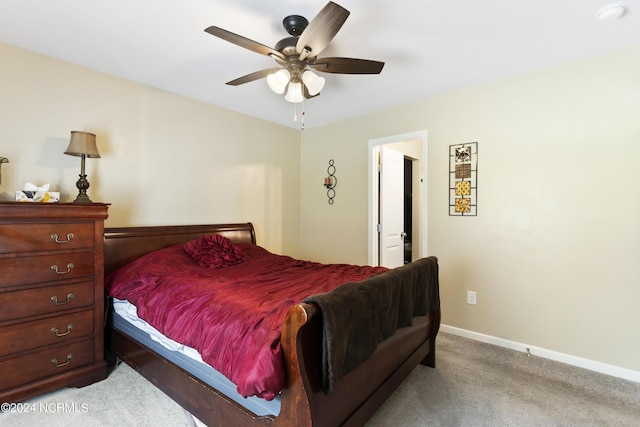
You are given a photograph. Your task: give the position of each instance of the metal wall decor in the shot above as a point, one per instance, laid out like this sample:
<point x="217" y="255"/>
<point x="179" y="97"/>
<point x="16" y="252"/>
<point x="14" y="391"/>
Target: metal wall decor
<point x="331" y="181"/>
<point x="463" y="179"/>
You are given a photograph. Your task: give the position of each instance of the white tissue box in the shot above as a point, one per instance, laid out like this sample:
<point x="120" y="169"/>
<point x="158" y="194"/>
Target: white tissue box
<point x="37" y="196"/>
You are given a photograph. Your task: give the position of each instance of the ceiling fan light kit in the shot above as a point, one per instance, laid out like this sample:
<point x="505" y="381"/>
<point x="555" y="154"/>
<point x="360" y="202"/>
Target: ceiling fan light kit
<point x="294" y="93"/>
<point x="278" y="81"/>
<point x="313" y="82"/>
<point x="298" y="54"/>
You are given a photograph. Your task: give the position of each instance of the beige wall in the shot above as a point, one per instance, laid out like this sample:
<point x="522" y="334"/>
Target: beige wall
<point x="165" y="159"/>
<point x="554" y="253"/>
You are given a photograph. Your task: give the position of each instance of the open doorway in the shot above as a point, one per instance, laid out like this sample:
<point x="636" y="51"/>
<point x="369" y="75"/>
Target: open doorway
<point x="408" y="209"/>
<point x="412" y="191"/>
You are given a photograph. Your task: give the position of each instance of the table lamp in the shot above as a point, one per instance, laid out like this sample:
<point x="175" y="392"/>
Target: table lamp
<point x="82" y="144"/>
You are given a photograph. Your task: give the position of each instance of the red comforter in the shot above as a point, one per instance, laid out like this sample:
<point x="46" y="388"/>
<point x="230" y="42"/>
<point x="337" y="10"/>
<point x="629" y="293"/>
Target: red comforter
<point x="233" y="315"/>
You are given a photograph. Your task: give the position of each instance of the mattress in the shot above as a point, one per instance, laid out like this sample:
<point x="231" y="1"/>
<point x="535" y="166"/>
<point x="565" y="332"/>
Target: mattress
<point x="126" y="320"/>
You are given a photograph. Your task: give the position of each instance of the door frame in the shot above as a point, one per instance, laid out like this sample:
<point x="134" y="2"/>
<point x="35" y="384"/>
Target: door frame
<point x="373" y="191"/>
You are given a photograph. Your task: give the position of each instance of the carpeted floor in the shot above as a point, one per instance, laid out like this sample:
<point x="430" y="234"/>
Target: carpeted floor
<point x="478" y="384"/>
<point x="474" y="384"/>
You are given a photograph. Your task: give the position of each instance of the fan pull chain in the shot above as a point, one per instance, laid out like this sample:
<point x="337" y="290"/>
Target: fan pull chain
<point x="295" y="114"/>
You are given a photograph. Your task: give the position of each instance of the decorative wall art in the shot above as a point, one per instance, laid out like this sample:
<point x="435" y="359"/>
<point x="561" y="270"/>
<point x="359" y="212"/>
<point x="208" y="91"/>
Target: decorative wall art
<point x="463" y="179"/>
<point x="331" y="181"/>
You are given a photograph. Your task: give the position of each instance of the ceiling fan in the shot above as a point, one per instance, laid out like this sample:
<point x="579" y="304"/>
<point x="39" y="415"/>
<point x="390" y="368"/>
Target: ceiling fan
<point x="297" y="54"/>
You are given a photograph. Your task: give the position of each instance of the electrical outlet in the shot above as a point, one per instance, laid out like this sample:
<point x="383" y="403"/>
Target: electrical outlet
<point x="471" y="297"/>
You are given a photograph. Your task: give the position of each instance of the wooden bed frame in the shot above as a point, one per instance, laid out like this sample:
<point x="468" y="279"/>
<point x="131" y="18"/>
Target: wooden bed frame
<point x="352" y="402"/>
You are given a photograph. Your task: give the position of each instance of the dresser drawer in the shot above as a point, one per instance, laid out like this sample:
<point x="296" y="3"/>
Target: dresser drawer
<point x="40" y="333"/>
<point x="45" y="363"/>
<point x="50" y="299"/>
<point x="25" y="237"/>
<point x="46" y="268"/>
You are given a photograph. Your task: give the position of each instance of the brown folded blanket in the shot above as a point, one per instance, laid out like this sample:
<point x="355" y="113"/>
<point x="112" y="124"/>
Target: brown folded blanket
<point x="357" y="316"/>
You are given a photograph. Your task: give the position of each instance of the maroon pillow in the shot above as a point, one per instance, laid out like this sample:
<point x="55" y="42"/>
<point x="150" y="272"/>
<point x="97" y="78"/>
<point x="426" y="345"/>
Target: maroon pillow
<point x="214" y="251"/>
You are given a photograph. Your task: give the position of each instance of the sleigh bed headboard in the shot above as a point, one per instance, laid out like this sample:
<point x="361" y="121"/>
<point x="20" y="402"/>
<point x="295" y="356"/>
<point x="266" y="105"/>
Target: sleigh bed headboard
<point x="123" y="245"/>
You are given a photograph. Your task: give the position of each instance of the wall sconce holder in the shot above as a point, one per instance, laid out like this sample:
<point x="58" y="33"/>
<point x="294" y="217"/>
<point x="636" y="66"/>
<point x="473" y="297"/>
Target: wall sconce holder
<point x="331" y="181"/>
<point x="2" y="160"/>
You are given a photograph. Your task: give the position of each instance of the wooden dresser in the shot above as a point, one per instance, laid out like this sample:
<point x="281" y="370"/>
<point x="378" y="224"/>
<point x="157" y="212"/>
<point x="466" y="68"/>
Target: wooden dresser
<point x="51" y="297"/>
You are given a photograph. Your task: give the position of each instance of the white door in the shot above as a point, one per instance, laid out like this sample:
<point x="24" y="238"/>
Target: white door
<point x="391" y="208"/>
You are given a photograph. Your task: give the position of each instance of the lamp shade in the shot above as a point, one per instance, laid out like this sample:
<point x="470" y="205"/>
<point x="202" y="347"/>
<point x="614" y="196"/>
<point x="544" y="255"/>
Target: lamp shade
<point x="278" y="81"/>
<point x="82" y="143"/>
<point x="294" y="93"/>
<point x="313" y="82"/>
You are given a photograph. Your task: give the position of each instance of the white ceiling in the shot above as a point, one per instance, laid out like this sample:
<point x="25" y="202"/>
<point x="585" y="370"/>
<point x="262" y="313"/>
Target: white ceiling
<point x="429" y="47"/>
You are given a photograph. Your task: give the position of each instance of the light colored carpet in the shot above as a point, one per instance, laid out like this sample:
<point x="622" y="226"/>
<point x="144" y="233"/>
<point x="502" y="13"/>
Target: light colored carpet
<point x="478" y="384"/>
<point x="474" y="384"/>
<point x="124" y="399"/>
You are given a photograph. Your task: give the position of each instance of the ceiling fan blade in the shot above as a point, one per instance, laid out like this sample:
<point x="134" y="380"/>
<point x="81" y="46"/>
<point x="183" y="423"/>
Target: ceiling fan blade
<point x="243" y="42"/>
<point x="253" y="76"/>
<point x="347" y="66"/>
<point x="321" y="30"/>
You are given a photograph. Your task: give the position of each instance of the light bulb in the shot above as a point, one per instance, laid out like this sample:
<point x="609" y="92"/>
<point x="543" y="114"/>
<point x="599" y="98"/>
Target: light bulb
<point x="314" y="82"/>
<point x="278" y="81"/>
<point x="294" y="93"/>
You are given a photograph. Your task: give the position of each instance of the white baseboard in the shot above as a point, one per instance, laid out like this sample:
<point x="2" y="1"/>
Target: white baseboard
<point x="603" y="368"/>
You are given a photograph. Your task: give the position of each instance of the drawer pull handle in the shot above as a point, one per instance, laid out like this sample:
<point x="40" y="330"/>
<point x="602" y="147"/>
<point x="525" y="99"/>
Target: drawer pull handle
<point x="54" y="237"/>
<point x="55" y="331"/>
<point x="69" y="268"/>
<point x="54" y="361"/>
<point x="54" y="299"/>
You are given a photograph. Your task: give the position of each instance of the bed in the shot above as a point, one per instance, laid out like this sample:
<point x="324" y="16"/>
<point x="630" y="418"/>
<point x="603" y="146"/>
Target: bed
<point x="305" y="398"/>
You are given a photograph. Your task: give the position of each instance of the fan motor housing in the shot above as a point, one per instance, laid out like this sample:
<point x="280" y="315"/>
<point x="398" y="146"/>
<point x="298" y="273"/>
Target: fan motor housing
<point x="287" y="46"/>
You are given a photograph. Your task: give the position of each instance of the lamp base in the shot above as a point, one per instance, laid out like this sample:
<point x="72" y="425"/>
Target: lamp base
<point x="82" y="185"/>
<point x="82" y="198"/>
